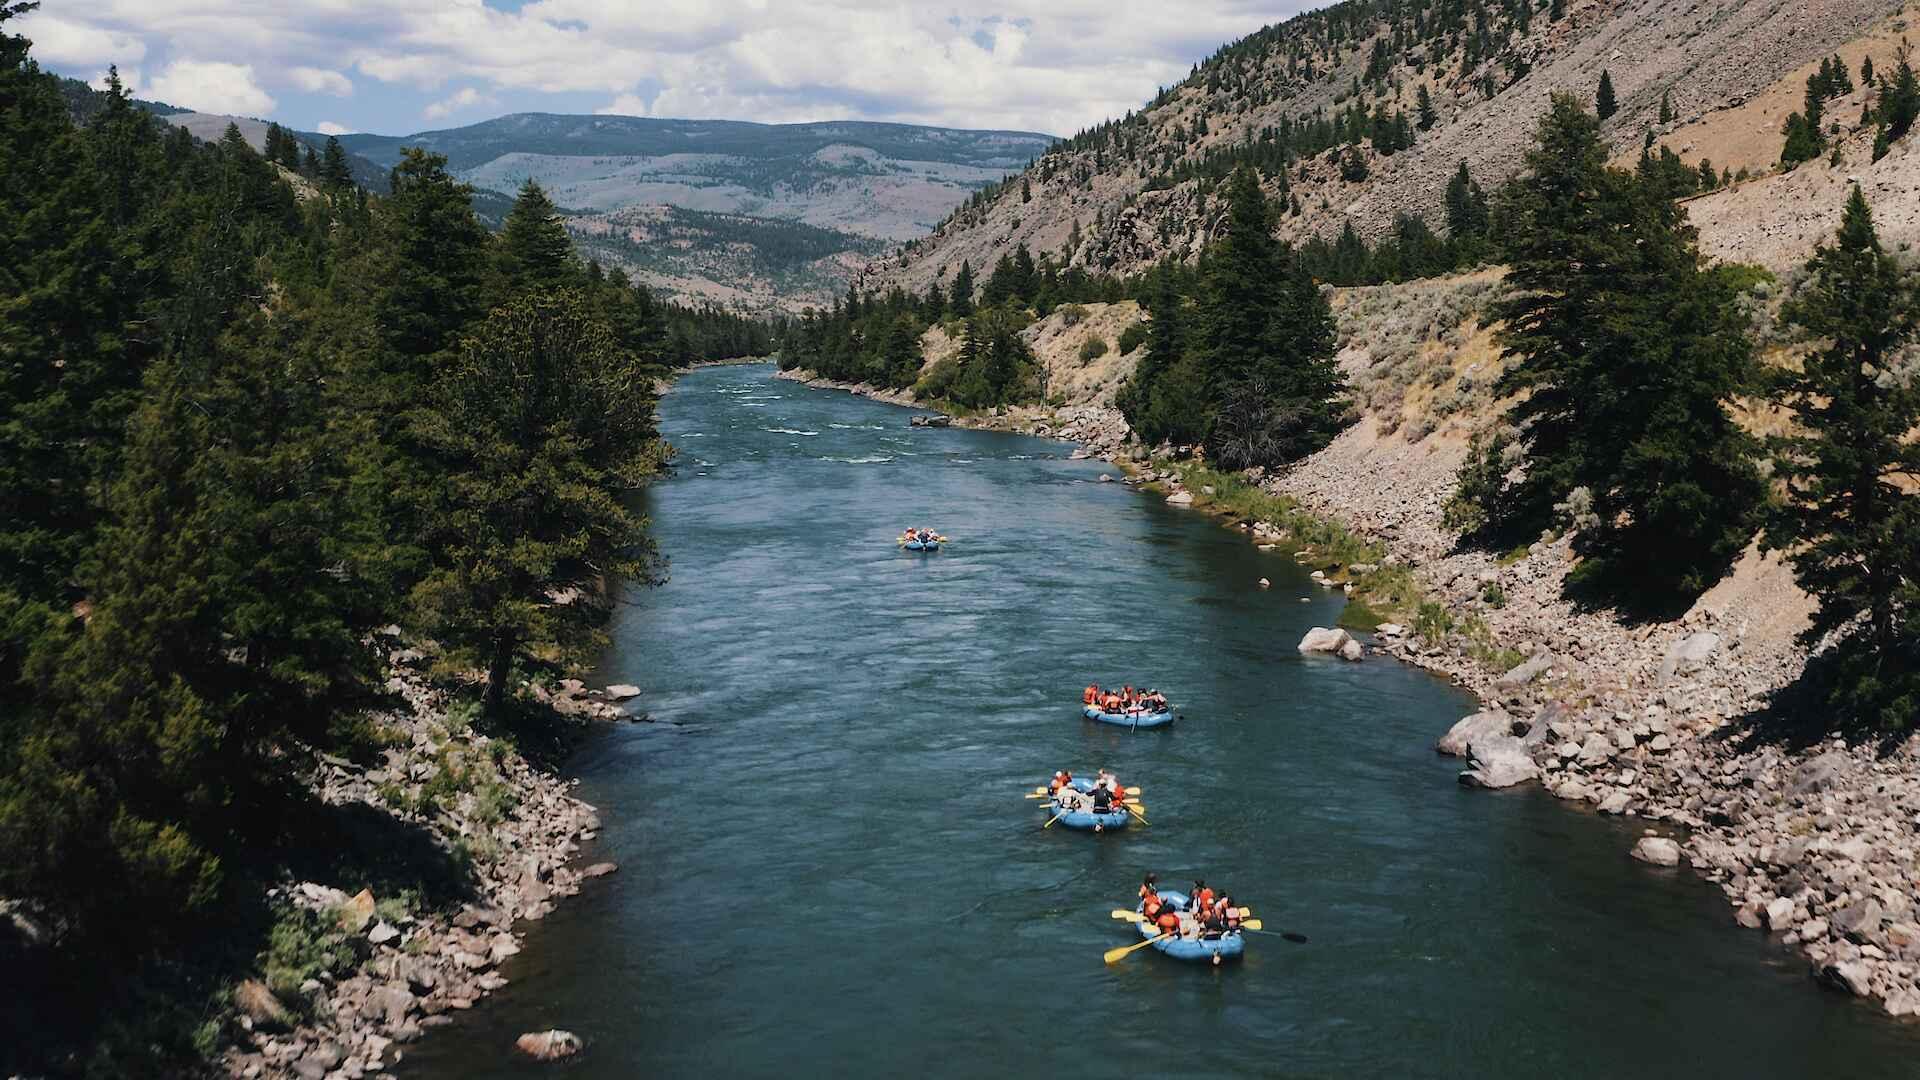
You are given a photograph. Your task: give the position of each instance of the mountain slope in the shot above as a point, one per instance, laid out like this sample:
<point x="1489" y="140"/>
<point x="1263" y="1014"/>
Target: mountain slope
<point x="1319" y="90"/>
<point x="861" y="182"/>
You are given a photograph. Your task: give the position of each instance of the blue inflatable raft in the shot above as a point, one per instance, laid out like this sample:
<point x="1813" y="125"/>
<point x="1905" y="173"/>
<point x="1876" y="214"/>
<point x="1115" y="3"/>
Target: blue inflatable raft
<point x="1087" y="819"/>
<point x="1210" y="950"/>
<point x="1128" y="720"/>
<point x="916" y="545"/>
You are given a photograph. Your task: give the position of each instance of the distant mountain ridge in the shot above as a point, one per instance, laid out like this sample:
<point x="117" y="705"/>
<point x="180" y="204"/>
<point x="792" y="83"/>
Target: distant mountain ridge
<point x="860" y="182"/>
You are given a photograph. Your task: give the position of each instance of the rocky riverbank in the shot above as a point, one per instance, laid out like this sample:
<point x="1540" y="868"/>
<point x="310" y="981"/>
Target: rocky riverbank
<point x="1100" y="429"/>
<point x="410" y="968"/>
<point x="1813" y="841"/>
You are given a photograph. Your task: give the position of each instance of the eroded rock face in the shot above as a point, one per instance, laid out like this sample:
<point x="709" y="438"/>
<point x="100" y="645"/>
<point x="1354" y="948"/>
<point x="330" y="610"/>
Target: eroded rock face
<point x="548" y="1045"/>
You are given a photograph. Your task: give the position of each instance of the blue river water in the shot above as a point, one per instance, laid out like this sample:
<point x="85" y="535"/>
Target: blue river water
<point x="827" y="867"/>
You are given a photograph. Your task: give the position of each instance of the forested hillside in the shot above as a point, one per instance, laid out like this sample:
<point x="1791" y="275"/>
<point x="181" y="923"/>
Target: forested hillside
<point x="1359" y="115"/>
<point x="252" y="418"/>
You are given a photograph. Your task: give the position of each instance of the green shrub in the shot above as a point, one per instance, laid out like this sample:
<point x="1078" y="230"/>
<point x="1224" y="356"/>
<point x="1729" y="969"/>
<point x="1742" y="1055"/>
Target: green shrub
<point x="1072" y="314"/>
<point x="1094" y="349"/>
<point x="304" y="945"/>
<point x="1133" y="337"/>
<point x="1433" y="622"/>
<point x="1494" y="595"/>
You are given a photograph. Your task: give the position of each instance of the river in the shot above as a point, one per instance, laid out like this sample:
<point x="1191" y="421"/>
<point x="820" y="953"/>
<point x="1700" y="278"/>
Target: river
<point x="827" y="866"/>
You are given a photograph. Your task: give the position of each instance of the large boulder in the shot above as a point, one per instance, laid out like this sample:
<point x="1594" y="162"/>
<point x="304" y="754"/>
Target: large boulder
<point x="1853" y="976"/>
<point x="1687" y="654"/>
<point x="1498" y="761"/>
<point x="1352" y="651"/>
<point x="357" y="912"/>
<point x="1817" y="775"/>
<point x="1657" y="850"/>
<point x="1860" y="921"/>
<point x="1321" y="639"/>
<point x="1180" y="498"/>
<point x="622" y="692"/>
<point x="548" y="1045"/>
<point x="1480" y="725"/>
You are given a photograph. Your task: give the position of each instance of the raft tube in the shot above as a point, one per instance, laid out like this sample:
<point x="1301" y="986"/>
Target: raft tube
<point x="916" y="545"/>
<point x="1128" y="720"/>
<point x="1228" y="946"/>
<point x="1087" y="819"/>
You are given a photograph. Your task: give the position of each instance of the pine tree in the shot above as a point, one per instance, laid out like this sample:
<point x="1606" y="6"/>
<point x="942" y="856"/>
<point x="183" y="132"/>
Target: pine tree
<point x="1557" y="10"/>
<point x="335" y="173"/>
<point x="534" y="249"/>
<point x="1866" y="72"/>
<point x="901" y="353"/>
<point x="1849" y="527"/>
<point x="1264" y="336"/>
<point x="1666" y="107"/>
<point x="1624" y="352"/>
<point x="961" y="301"/>
<point x="1423" y="105"/>
<point x="542" y="421"/>
<point x="1604" y="103"/>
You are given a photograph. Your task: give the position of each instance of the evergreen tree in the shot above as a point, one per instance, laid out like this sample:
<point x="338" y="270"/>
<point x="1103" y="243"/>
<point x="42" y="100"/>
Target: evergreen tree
<point x="1866" y="72"/>
<point x="902" y="352"/>
<point x="542" y="421"/>
<point x="335" y="173"/>
<point x="534" y="249"/>
<point x="1424" y="107"/>
<point x="1850" y="528"/>
<point x="1666" y="107"/>
<point x="1623" y="351"/>
<point x="1805" y="140"/>
<point x="961" y="302"/>
<point x="1604" y="103"/>
<point x="1264" y="336"/>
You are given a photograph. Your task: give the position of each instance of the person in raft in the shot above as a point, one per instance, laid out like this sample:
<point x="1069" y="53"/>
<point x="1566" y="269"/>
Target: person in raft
<point x="1125" y="700"/>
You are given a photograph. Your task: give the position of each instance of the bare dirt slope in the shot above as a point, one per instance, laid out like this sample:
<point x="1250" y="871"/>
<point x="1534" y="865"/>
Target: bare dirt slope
<point x="1118" y="190"/>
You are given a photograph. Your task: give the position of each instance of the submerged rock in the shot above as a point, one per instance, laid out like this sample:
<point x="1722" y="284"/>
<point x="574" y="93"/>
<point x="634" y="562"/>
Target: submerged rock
<point x="1657" y="850"/>
<point x="1321" y="639"/>
<point x="548" y="1045"/>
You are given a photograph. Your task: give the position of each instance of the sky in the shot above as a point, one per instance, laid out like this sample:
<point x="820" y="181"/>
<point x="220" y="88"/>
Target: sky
<point x="401" y="66"/>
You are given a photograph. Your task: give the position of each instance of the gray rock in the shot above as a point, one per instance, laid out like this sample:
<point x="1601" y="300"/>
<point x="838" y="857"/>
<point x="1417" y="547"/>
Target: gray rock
<point x="599" y="869"/>
<point x="1526" y="671"/>
<point x="1657" y="850"/>
<point x="1687" y="654"/>
<point x="1482" y="724"/>
<point x="394" y="1003"/>
<point x="1853" y="976"/>
<point x="622" y="692"/>
<point x="1859" y="922"/>
<point x="1615" y="803"/>
<point x="1597" y="750"/>
<point x="1498" y="761"/>
<point x="1780" y="913"/>
<point x="1351" y="651"/>
<point x="1818" y="774"/>
<point x="382" y="933"/>
<point x="1321" y="639"/>
<point x="1180" y="498"/>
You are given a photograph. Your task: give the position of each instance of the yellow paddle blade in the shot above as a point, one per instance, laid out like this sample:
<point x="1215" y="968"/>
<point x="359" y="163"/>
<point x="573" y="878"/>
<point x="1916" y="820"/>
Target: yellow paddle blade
<point x="1252" y="924"/>
<point x="1130" y="916"/>
<point x="1133" y="791"/>
<point x="1115" y="954"/>
<point x="1243" y="912"/>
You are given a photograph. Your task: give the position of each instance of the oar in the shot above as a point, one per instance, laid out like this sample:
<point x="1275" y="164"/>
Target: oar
<point x="1114" y="955"/>
<point x="1053" y="819"/>
<point x="1136" y="811"/>
<point x="1251" y="926"/>
<point x="1130" y="916"/>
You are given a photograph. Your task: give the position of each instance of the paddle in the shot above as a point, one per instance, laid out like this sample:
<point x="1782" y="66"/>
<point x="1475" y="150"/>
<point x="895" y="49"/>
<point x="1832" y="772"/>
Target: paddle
<point x="1137" y="811"/>
<point x="1297" y="939"/>
<point x="1053" y="819"/>
<point x="1114" y="955"/>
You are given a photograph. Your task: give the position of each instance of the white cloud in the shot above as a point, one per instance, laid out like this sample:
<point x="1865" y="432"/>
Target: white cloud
<point x="1046" y="65"/>
<point x="328" y="127"/>
<point x="466" y="98"/>
<point x="62" y="41"/>
<point x="321" y="81"/>
<point x="211" y="86"/>
<point x="624" y="105"/>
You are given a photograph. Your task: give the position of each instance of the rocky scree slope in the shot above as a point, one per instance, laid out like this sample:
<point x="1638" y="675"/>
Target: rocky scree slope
<point x="1115" y="199"/>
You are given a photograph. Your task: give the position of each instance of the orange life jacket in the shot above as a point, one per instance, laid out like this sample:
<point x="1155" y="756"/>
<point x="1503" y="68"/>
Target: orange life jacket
<point x="1168" y="922"/>
<point x="1204" y="898"/>
<point x="1092" y="693"/>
